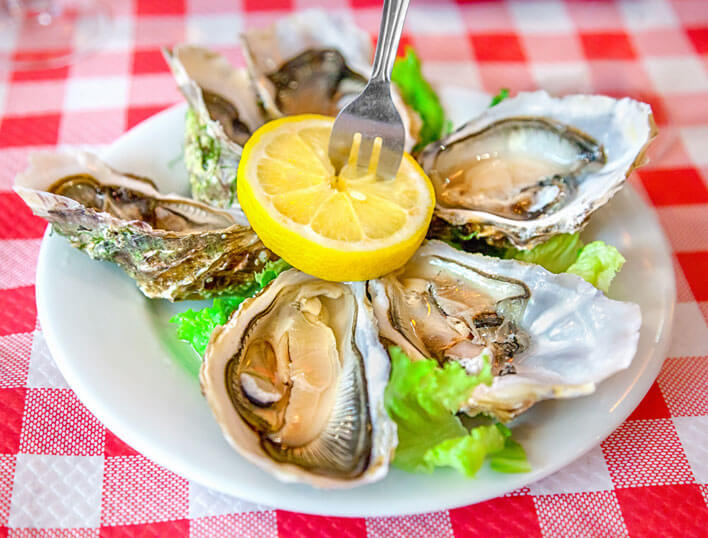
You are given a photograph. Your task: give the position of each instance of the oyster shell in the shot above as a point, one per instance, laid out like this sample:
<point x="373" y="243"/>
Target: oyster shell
<point x="548" y="335"/>
<point x="173" y="247"/>
<point x="296" y="380"/>
<point x="313" y="62"/>
<point x="223" y="113"/>
<point x="535" y="166"/>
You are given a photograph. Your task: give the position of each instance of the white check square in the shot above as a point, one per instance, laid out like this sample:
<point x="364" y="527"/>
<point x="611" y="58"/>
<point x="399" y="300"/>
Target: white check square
<point x="647" y="14"/>
<point x="693" y="432"/>
<point x="562" y="77"/>
<point x="43" y="371"/>
<point x="221" y="29"/>
<point x="433" y="524"/>
<point x="695" y="140"/>
<point x="93" y="93"/>
<point x="588" y="473"/>
<point x="56" y="491"/>
<point x="18" y="259"/>
<point x="207" y="502"/>
<point x="692" y="339"/>
<point x="546" y="17"/>
<point x="677" y="74"/>
<point x="434" y="19"/>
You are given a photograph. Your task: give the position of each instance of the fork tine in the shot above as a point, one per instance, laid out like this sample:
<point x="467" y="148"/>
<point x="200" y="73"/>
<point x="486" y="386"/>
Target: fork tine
<point x="389" y="161"/>
<point x="365" y="149"/>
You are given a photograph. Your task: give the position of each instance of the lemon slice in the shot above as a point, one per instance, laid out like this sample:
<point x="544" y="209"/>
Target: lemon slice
<point x="336" y="227"/>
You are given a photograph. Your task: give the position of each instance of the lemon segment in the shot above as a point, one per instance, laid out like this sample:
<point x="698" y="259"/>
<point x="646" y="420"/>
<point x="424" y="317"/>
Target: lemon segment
<point x="342" y="226"/>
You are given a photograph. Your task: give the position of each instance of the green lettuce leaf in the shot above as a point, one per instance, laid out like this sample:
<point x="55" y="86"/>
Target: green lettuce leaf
<point x="196" y="326"/>
<point x="420" y="96"/>
<point x="510" y="459"/>
<point x="423" y="399"/>
<point x="598" y="263"/>
<point x="556" y="254"/>
<point x="466" y="454"/>
<point x="498" y="98"/>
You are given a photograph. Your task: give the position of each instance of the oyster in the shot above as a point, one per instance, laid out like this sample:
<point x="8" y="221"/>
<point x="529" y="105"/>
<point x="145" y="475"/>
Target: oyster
<point x="173" y="247"/>
<point x="296" y="380"/>
<point x="548" y="336"/>
<point x="223" y="112"/>
<point x="313" y="62"/>
<point x="535" y="166"/>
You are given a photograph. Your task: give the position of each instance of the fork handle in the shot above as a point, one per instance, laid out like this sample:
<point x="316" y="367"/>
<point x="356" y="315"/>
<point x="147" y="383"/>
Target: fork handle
<point x="394" y="14"/>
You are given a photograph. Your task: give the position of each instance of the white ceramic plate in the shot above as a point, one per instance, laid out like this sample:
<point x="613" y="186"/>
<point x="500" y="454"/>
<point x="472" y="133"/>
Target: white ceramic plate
<point x="119" y="353"/>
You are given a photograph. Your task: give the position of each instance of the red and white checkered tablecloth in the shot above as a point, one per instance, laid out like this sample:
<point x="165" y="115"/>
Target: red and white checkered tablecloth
<point x="63" y="474"/>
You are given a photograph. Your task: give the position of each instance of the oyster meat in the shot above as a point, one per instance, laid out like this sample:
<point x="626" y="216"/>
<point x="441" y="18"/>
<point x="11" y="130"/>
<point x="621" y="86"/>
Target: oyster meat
<point x="547" y="335"/>
<point x="296" y="380"/>
<point x="223" y="112"/>
<point x="535" y="166"/>
<point x="314" y="62"/>
<point x="307" y="63"/>
<point x="173" y="247"/>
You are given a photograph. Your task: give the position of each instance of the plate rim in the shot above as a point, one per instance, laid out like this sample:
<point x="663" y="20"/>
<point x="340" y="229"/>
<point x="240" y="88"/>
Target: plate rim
<point x="164" y="458"/>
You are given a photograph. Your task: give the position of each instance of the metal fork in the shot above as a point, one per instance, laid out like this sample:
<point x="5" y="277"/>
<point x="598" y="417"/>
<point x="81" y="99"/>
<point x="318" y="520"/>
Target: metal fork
<point x="370" y="123"/>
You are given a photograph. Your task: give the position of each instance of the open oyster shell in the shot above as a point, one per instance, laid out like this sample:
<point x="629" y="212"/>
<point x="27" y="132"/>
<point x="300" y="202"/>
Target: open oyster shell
<point x="548" y="335"/>
<point x="314" y="62"/>
<point x="173" y="247"/>
<point x="296" y="380"/>
<point x="223" y="113"/>
<point x="535" y="166"/>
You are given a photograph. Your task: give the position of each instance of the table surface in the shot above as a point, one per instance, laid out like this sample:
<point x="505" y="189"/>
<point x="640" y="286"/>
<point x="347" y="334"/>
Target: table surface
<point x="62" y="473"/>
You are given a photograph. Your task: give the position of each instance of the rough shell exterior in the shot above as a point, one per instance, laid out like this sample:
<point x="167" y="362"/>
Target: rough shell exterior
<point x="575" y="340"/>
<point x="210" y="155"/>
<point x="624" y="127"/>
<point x="223" y="345"/>
<point x="165" y="264"/>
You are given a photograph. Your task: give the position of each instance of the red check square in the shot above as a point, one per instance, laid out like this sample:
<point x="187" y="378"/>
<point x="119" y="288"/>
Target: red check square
<point x="35" y="130"/>
<point x="684" y="384"/>
<point x="296" y="525"/>
<point x="12" y="406"/>
<point x="646" y="453"/>
<point x="497" y="48"/>
<point x="17" y="220"/>
<point x="174" y="529"/>
<point x="699" y="38"/>
<point x="592" y="513"/>
<point x="607" y="46"/>
<point x="674" y="186"/>
<point x="18" y="313"/>
<point x="149" y="61"/>
<point x="673" y="511"/>
<point x="7" y="472"/>
<point x="159" y="7"/>
<point x="15" y="351"/>
<point x="652" y="406"/>
<point x="114" y="446"/>
<point x="137" y="114"/>
<point x="136" y="490"/>
<point x="60" y="73"/>
<point x="271" y="5"/>
<point x="55" y="422"/>
<point x="241" y="524"/>
<point x="695" y="267"/>
<point x="491" y="518"/>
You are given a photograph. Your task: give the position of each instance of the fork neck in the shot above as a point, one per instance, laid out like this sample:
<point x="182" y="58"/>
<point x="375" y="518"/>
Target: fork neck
<point x="392" y="19"/>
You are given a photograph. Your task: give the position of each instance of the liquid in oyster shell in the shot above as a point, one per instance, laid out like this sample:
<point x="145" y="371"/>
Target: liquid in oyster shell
<point x="548" y="335"/>
<point x="535" y="166"/>
<point x="296" y="378"/>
